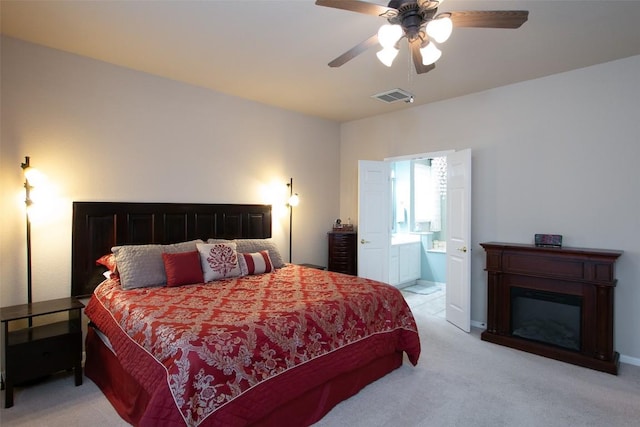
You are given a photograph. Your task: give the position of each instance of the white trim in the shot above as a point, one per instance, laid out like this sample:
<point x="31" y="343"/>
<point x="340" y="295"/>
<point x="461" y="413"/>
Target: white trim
<point x="630" y="360"/>
<point x="478" y="324"/>
<point x="430" y="283"/>
<point x="419" y="156"/>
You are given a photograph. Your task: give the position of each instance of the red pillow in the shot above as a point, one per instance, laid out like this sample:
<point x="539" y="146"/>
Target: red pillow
<point x="109" y="261"/>
<point x="182" y="268"/>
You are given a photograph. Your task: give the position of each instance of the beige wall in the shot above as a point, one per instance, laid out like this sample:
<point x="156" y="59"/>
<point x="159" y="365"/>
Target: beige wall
<point x="106" y="133"/>
<point x="554" y="155"/>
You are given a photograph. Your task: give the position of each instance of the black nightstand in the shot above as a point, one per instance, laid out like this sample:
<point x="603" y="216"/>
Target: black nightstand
<point x="36" y="351"/>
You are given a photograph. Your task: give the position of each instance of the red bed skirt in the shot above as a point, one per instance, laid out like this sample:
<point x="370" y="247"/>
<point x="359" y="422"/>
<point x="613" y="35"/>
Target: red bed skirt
<point x="130" y="399"/>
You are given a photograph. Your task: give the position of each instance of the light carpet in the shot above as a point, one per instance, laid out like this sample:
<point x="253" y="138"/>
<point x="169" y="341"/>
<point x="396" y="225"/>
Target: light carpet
<point x="459" y="381"/>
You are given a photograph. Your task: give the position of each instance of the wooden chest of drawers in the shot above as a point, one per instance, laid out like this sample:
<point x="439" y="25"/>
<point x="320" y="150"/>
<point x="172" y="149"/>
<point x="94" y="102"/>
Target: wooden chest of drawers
<point x="343" y="252"/>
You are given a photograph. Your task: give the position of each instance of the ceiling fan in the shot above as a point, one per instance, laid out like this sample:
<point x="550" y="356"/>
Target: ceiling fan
<point x="419" y="22"/>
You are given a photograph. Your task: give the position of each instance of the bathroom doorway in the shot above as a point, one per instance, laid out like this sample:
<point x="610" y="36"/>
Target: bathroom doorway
<point x="396" y="257"/>
<point x="419" y="231"/>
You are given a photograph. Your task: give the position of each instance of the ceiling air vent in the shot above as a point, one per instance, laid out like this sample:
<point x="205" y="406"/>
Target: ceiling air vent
<point x="394" y="95"/>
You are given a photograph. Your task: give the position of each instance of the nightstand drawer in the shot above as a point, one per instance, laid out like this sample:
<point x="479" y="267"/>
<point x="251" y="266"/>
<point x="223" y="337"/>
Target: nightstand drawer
<point x="36" y="351"/>
<point x="56" y="348"/>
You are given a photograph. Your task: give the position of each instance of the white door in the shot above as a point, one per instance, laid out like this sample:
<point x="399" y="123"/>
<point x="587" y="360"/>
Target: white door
<point x="458" y="294"/>
<point x="374" y="209"/>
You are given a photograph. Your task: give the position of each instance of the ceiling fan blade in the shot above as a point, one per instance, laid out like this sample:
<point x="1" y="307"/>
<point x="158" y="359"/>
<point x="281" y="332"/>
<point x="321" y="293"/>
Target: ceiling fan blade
<point x="354" y="51"/>
<point x="489" y="18"/>
<point x="360" y="7"/>
<point x="417" y="58"/>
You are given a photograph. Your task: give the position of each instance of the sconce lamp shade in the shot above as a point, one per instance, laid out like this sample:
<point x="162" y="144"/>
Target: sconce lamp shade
<point x="294" y="200"/>
<point x="30" y="173"/>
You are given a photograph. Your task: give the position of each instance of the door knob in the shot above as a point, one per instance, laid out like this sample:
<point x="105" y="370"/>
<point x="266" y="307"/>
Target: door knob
<point x="364" y="241"/>
<point x="463" y="249"/>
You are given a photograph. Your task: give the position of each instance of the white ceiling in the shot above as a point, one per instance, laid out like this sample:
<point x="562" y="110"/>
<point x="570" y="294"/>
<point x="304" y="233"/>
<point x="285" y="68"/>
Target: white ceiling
<point x="276" y="52"/>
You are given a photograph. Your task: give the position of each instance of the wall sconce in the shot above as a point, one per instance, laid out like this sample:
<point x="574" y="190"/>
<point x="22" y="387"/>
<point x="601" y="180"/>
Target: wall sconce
<point x="28" y="173"/>
<point x="293" y="201"/>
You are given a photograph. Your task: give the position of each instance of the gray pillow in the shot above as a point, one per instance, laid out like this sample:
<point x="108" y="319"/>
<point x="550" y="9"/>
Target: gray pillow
<point x="141" y="265"/>
<point x="246" y="246"/>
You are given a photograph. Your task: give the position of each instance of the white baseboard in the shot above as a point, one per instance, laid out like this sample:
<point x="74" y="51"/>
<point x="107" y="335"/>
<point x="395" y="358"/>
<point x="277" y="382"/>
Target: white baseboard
<point x="630" y="360"/>
<point x="429" y="282"/>
<point x="478" y="324"/>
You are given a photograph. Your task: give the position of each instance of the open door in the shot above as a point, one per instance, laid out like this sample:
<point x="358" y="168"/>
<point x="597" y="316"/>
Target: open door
<point x="374" y="210"/>
<point x="458" y="294"/>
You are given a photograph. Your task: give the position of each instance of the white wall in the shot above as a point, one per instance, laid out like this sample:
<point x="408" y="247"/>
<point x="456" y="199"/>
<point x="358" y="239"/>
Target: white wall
<point x="554" y="155"/>
<point x="105" y="133"/>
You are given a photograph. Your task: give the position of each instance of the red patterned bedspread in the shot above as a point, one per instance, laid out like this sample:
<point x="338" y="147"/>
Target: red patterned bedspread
<point x="217" y="342"/>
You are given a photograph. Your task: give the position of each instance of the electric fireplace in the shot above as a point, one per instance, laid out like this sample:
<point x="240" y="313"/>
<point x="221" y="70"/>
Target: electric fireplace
<point x="546" y="317"/>
<point x="554" y="302"/>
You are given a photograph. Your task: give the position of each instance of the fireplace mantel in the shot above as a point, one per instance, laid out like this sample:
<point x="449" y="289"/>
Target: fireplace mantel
<point x="585" y="273"/>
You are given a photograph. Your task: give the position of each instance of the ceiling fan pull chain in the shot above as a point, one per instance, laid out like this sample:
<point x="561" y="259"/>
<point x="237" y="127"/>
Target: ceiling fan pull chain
<point x="410" y="69"/>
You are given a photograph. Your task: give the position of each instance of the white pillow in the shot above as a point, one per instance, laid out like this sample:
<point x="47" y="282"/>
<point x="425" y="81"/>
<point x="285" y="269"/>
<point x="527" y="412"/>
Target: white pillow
<point x="218" y="260"/>
<point x="246" y="246"/>
<point x="255" y="263"/>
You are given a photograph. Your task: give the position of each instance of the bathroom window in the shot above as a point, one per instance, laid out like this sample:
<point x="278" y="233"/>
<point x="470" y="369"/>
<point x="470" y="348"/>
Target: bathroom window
<point x="419" y="195"/>
<point x="430" y="190"/>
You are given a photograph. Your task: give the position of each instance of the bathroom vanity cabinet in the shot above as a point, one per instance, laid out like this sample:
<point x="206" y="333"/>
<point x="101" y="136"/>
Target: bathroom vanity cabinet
<point x="404" y="263"/>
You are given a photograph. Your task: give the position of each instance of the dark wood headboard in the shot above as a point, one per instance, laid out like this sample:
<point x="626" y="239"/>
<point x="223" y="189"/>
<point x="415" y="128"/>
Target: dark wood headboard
<point x="97" y="226"/>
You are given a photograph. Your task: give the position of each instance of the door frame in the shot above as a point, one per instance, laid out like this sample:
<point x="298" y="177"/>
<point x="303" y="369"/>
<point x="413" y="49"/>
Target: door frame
<point x="463" y="323"/>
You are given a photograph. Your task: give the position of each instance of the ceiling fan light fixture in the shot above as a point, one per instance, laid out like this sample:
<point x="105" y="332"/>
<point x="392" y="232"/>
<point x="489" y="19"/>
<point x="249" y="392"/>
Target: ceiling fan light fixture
<point x="440" y="29"/>
<point x="387" y="55"/>
<point x="388" y="35"/>
<point x="430" y="54"/>
<point x="429" y="4"/>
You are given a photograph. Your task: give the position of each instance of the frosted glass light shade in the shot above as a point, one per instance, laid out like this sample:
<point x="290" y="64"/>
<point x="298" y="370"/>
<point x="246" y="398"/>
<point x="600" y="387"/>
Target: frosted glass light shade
<point x="388" y="35"/>
<point x="440" y="29"/>
<point x="294" y="200"/>
<point x="430" y="54"/>
<point x="32" y="175"/>
<point x="387" y="55"/>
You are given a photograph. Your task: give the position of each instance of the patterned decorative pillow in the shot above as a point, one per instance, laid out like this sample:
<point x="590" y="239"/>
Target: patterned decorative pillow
<point x="182" y="268"/>
<point x="218" y="260"/>
<point x="109" y="261"/>
<point x="255" y="263"/>
<point x="141" y="265"/>
<point x="246" y="246"/>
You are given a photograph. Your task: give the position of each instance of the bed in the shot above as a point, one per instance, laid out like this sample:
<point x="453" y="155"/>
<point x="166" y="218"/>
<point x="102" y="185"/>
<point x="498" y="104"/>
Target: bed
<point x="275" y="344"/>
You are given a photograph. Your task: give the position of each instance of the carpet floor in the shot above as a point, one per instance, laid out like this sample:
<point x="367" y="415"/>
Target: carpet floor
<point x="459" y="381"/>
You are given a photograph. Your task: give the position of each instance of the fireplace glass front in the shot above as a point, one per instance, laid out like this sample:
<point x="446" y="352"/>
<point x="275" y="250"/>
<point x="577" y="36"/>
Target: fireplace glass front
<point x="546" y="317"/>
